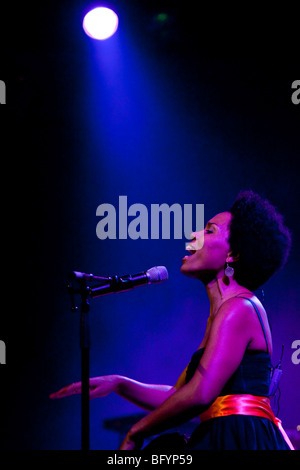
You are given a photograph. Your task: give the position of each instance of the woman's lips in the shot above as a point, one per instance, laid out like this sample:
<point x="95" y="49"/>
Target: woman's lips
<point x="192" y="252"/>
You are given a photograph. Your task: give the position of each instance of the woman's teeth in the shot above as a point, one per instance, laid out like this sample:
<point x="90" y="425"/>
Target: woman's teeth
<point x="191" y="249"/>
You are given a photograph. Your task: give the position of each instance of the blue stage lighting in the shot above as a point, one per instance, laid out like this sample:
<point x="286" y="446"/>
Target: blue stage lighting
<point x="100" y="23"/>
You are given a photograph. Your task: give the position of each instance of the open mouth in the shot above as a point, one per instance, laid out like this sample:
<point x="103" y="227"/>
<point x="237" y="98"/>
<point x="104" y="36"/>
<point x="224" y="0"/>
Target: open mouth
<point x="191" y="251"/>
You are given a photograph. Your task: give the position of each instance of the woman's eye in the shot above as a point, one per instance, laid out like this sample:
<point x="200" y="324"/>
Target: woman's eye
<point x="208" y="231"/>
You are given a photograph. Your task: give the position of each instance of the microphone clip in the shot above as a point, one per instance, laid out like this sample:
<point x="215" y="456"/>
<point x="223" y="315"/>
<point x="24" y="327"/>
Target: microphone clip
<point x="78" y="285"/>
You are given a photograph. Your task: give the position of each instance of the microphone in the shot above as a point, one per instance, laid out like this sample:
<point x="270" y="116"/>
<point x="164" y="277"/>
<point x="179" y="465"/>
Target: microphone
<point x="116" y="284"/>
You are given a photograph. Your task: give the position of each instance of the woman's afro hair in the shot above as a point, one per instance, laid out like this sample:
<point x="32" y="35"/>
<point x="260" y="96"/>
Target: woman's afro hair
<point x="259" y="238"/>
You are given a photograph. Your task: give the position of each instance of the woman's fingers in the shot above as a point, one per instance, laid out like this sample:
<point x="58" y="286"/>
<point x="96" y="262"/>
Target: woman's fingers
<point x="99" y="387"/>
<point x="67" y="391"/>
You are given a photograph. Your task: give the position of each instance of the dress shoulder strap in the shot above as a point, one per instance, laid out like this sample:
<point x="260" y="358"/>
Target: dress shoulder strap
<point x="259" y="317"/>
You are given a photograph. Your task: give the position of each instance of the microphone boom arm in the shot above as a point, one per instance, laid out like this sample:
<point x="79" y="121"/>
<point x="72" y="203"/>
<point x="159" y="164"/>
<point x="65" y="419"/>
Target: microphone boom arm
<point x="118" y="284"/>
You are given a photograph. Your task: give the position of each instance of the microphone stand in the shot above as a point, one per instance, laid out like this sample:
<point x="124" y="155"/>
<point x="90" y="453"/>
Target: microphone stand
<point x="106" y="286"/>
<point x="85" y="344"/>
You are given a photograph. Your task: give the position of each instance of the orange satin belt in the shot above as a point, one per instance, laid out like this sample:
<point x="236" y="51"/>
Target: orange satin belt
<point x="244" y="405"/>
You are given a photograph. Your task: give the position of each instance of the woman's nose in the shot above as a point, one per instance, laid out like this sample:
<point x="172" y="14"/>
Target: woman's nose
<point x="197" y="240"/>
<point x="197" y="235"/>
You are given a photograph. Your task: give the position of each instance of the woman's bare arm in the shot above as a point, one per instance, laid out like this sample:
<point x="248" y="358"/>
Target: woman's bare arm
<point x="146" y="396"/>
<point x="226" y="345"/>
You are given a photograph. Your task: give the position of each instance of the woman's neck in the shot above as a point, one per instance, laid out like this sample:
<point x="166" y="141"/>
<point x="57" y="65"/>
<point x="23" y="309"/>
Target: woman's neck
<point x="221" y="289"/>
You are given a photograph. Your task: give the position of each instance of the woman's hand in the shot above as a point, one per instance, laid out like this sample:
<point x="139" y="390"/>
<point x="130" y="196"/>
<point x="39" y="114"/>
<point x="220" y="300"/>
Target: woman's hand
<point x="132" y="442"/>
<point x="99" y="387"/>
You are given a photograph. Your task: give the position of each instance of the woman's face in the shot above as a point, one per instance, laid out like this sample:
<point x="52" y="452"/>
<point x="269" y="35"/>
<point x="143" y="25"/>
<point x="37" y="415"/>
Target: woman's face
<point x="210" y="259"/>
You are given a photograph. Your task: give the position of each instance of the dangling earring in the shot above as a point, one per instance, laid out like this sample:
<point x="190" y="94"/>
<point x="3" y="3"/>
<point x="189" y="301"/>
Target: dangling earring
<point x="229" y="271"/>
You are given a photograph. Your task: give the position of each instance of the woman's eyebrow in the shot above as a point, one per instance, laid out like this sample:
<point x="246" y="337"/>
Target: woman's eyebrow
<point x="212" y="223"/>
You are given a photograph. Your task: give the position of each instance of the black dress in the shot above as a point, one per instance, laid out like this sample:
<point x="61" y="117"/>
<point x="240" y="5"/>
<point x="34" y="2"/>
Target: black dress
<point x="235" y="432"/>
<point x="239" y="432"/>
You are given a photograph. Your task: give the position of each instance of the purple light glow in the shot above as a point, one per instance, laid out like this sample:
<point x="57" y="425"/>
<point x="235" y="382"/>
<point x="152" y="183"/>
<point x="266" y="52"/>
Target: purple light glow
<point x="100" y="23"/>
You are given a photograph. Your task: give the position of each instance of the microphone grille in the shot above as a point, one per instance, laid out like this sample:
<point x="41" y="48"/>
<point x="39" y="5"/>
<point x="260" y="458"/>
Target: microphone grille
<point x="157" y="274"/>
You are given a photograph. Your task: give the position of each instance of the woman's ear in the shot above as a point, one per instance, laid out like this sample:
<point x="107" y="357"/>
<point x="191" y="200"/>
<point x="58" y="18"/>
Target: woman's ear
<point x="231" y="258"/>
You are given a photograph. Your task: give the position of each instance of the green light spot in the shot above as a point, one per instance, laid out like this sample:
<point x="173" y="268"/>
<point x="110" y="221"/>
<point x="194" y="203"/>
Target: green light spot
<point x="162" y="17"/>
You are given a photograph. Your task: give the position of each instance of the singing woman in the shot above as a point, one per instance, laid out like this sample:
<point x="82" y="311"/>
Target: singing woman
<point x="227" y="380"/>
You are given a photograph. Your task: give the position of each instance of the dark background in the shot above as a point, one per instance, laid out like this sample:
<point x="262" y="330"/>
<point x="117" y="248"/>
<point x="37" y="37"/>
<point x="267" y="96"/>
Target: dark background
<point x="188" y="111"/>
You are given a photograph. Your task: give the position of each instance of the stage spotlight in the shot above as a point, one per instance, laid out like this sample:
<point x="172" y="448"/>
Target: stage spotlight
<point x="100" y="23"/>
